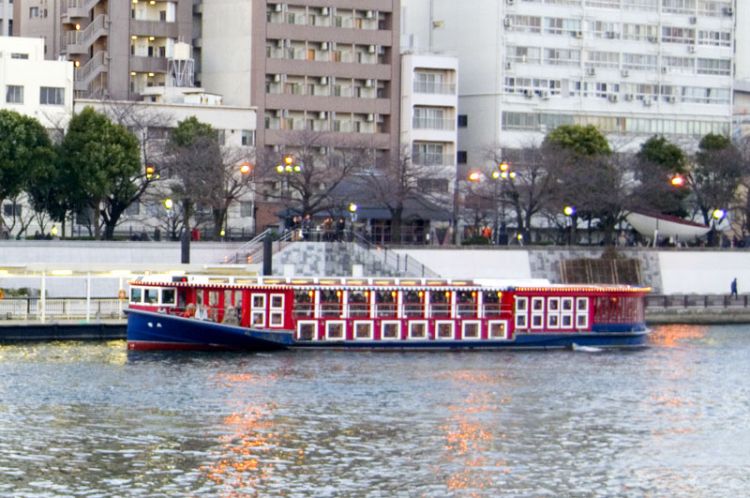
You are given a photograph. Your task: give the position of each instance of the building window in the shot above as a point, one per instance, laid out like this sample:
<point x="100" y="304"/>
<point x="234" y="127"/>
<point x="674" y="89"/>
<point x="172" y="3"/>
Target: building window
<point x="18" y="55"/>
<point x="14" y="94"/>
<point x="248" y="137"/>
<point x="12" y="210"/>
<point x="51" y="95"/>
<point x="33" y="12"/>
<point x="246" y="209"/>
<point x="461" y="157"/>
<point x="463" y="120"/>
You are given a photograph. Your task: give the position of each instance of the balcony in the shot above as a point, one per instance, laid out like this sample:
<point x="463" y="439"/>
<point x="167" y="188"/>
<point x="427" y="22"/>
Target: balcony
<point x="148" y="64"/>
<point x="158" y="29"/>
<point x="420" y="123"/>
<point x="434" y="160"/>
<point x="434" y="88"/>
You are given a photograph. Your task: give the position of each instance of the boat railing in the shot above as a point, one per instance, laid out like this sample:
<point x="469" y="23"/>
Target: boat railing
<point x="440" y="310"/>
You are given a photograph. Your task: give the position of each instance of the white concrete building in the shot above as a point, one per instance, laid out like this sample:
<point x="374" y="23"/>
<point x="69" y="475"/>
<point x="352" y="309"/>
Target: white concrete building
<point x="633" y="68"/>
<point x="429" y="108"/>
<point x="32" y="85"/>
<point x="152" y="121"/>
<point x="6" y="17"/>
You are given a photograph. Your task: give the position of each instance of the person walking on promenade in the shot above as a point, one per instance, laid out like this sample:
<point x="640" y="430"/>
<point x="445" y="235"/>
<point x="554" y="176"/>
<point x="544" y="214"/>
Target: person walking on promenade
<point x="733" y="288"/>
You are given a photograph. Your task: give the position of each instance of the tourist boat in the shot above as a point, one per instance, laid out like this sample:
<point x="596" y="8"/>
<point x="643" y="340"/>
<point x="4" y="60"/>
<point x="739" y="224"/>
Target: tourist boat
<point x="266" y="313"/>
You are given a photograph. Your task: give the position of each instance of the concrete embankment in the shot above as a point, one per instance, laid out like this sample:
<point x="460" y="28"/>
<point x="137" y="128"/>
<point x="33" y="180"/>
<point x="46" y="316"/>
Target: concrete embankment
<point x="18" y="331"/>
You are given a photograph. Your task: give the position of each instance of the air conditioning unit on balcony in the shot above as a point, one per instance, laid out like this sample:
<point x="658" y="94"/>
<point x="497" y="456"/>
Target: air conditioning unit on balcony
<point x="693" y="19"/>
<point x="591" y="71"/>
<point x="279" y="113"/>
<point x="322" y="115"/>
<point x="647" y="102"/>
<point x="325" y="11"/>
<point x="369" y="83"/>
<point x="652" y="39"/>
<point x="370" y="118"/>
<point x="578" y="34"/>
<point x="613" y="98"/>
<point x="324" y="80"/>
<point x="629" y="97"/>
<point x="528" y="94"/>
<point x="277" y="78"/>
<point x="372" y="49"/>
<point x="324" y="46"/>
<point x="672" y="99"/>
<point x="728" y="11"/>
<point x="280" y="43"/>
<point x="278" y="7"/>
<point x="369" y="14"/>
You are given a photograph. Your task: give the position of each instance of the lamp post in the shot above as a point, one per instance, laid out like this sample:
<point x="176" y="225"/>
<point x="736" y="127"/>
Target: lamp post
<point x="171" y="229"/>
<point x="246" y="170"/>
<point x="570" y="212"/>
<point x="717" y="216"/>
<point x="503" y="174"/>
<point x="286" y="168"/>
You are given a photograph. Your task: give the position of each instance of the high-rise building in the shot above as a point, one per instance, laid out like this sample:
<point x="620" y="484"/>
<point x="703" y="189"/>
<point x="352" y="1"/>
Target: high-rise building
<point x="329" y="66"/>
<point x="633" y="68"/>
<point x="118" y="48"/>
<point x="6" y="17"/>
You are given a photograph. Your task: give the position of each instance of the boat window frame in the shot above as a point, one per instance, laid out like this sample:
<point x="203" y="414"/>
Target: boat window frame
<point x="452" y="325"/>
<point x="397" y="323"/>
<point x="506" y="330"/>
<point x="582" y="313"/>
<point x="171" y="304"/>
<point x="147" y="291"/>
<point x="477" y="323"/>
<point x="538" y="309"/>
<point x="258" y="309"/>
<point x="371" y="326"/>
<point x="328" y="325"/>
<point x="553" y="315"/>
<point x="133" y="290"/>
<point x="276" y="313"/>
<point x="521" y="315"/>
<point x="424" y="323"/>
<point x="567" y="311"/>
<point x="305" y="323"/>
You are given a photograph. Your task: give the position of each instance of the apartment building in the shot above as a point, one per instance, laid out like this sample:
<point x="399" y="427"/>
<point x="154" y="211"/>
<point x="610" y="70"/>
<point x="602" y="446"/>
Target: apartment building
<point x="633" y="68"/>
<point x="329" y="66"/>
<point x="33" y="86"/>
<point x="6" y="17"/>
<point x="429" y="109"/>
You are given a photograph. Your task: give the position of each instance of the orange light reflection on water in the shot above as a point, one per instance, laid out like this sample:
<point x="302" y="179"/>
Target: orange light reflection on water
<point x="671" y="336"/>
<point x="470" y="435"/>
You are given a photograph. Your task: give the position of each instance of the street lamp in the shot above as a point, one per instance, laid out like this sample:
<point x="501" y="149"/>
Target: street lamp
<point x="570" y="212"/>
<point x="287" y="167"/>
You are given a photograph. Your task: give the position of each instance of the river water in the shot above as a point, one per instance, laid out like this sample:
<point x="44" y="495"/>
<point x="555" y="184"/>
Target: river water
<point x="91" y="419"/>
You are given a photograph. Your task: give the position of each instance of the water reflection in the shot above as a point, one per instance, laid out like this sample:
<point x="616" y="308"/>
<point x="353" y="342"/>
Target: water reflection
<point x="90" y="419"/>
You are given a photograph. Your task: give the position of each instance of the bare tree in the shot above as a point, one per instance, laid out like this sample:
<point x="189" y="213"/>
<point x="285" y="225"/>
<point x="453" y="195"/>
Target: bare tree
<point x="310" y="171"/>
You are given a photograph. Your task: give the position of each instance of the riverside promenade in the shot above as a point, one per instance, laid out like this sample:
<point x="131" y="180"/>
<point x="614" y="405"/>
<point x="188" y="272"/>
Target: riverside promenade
<point x="82" y="280"/>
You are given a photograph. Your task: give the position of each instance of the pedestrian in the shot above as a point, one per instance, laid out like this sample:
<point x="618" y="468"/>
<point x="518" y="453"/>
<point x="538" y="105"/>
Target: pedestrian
<point x="340" y="227"/>
<point x="733" y="287"/>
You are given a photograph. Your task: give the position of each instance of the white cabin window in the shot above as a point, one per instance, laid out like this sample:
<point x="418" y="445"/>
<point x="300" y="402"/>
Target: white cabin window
<point x="553" y="313"/>
<point x="390" y="330"/>
<point x="582" y="313"/>
<point x="418" y="330"/>
<point x="444" y="329"/>
<point x="335" y="330"/>
<point x="307" y="330"/>
<point x="363" y="330"/>
<point x="522" y="305"/>
<point x="276" y="315"/>
<point x="136" y="295"/>
<point x="566" y="313"/>
<point x="151" y="296"/>
<point x="257" y="310"/>
<point x="471" y="330"/>
<point x="168" y="296"/>
<point x="497" y="329"/>
<point x="537" y="312"/>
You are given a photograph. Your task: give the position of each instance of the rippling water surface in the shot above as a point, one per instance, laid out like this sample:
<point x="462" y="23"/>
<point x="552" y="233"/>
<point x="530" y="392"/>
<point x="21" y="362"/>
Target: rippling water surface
<point x="90" y="419"/>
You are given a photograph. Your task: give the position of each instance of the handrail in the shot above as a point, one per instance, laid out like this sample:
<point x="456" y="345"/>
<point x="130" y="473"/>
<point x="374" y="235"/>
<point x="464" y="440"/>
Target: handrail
<point x="401" y="263"/>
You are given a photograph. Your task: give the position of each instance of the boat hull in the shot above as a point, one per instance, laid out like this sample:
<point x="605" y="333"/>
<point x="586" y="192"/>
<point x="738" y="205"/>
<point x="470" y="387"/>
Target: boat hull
<point x="158" y="331"/>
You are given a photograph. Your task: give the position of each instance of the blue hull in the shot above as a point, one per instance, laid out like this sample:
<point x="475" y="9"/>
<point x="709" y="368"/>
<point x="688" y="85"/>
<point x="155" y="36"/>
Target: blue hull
<point x="147" y="330"/>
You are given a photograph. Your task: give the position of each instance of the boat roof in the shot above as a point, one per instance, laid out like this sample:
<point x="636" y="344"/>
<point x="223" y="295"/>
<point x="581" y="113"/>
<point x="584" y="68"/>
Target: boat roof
<point x="377" y="283"/>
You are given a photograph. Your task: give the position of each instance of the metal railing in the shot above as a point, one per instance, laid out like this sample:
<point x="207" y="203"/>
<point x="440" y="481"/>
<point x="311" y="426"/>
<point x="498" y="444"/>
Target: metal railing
<point x="251" y="252"/>
<point x="54" y="309"/>
<point x="402" y="264"/>
<point x="676" y="302"/>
